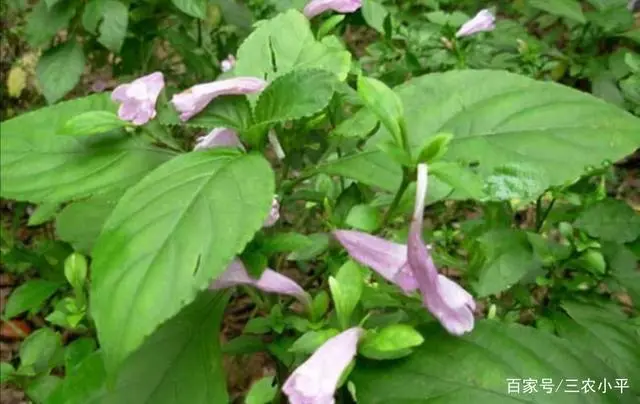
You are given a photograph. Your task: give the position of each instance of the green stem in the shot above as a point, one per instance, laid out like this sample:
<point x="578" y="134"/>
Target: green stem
<point x="541" y="215"/>
<point x="396" y="199"/>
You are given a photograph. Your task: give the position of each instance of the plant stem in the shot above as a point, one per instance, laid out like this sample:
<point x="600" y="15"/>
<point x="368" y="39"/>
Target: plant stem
<point x="540" y="215"/>
<point x="396" y="199"/>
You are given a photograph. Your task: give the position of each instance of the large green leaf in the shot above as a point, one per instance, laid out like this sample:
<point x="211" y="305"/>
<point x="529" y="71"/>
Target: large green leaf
<point x="500" y="118"/>
<point x="371" y="168"/>
<point x="477" y="368"/>
<point x="298" y="94"/>
<point x="570" y="9"/>
<point x="59" y="70"/>
<point x="169" y="236"/>
<point x="606" y="332"/>
<point x="80" y="223"/>
<point x="37" y="165"/>
<point x="284" y="43"/>
<point x="180" y="363"/>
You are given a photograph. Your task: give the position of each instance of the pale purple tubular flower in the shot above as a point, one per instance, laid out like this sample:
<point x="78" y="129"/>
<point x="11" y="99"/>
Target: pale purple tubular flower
<point x="411" y="267"/>
<point x="196" y="98"/>
<point x="315" y="7"/>
<point x="270" y="281"/>
<point x="138" y="98"/>
<point x="316" y="380"/>
<point x="483" y="21"/>
<point x="218" y="137"/>
<point x="274" y="214"/>
<point x="228" y="63"/>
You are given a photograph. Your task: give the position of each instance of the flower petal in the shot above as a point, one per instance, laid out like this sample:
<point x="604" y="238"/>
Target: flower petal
<point x="447" y="301"/>
<point x="195" y="99"/>
<point x="315" y="7"/>
<point x="483" y="21"/>
<point x="315" y="381"/>
<point x="270" y="281"/>
<point x="138" y="98"/>
<point x="385" y="257"/>
<point x="218" y="137"/>
<point x="274" y="214"/>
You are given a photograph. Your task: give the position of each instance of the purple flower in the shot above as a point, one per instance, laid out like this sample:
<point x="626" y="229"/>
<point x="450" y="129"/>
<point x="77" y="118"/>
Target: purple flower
<point x="315" y="7"/>
<point x="218" y="137"/>
<point x="483" y="21"/>
<point x="196" y="98"/>
<point x="411" y="267"/>
<point x="138" y="98"/>
<point x="316" y="380"/>
<point x="270" y="281"/>
<point x="228" y="63"/>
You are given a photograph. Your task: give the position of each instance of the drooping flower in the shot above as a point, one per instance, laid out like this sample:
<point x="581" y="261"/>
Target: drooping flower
<point x="218" y="137"/>
<point x="315" y="7"/>
<point x="316" y="380"/>
<point x="411" y="267"/>
<point x="228" y="63"/>
<point x="483" y="21"/>
<point x="138" y="98"/>
<point x="196" y="98"/>
<point x="270" y="281"/>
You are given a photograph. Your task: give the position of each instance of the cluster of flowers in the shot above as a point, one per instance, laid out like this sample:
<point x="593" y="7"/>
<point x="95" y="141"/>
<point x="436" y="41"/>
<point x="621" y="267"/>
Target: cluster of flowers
<point x="408" y="266"/>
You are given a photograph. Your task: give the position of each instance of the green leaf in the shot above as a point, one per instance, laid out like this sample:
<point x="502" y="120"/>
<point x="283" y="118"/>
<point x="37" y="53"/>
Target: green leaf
<point x="161" y="371"/>
<point x="113" y="29"/>
<point x="374" y="14"/>
<point x="92" y="14"/>
<point x="478" y="366"/>
<point x="434" y="148"/>
<point x="6" y="371"/>
<point x="319" y="244"/>
<point x="43" y="213"/>
<point x="370" y="168"/>
<point x="284" y="242"/>
<point x="29" y="296"/>
<point x="610" y="220"/>
<point x="39" y="389"/>
<point x="75" y="270"/>
<point x="59" y="70"/>
<point x="508" y="258"/>
<point x="43" y="23"/>
<point x="80" y="223"/>
<point x="236" y="13"/>
<point x="232" y="112"/>
<point x="77" y="351"/>
<point x="295" y="95"/>
<point x="570" y="9"/>
<point x="262" y="392"/>
<point x="285" y="43"/>
<point x="91" y="123"/>
<point x="607" y="333"/>
<point x="312" y="340"/>
<point x="40" y="351"/>
<point x="515" y="182"/>
<point x="329" y="24"/>
<point x="346" y="290"/>
<point x="392" y="342"/>
<point x="244" y="344"/>
<point x="364" y="217"/>
<point x="462" y="179"/>
<point x="168" y="223"/>
<point x="194" y="8"/>
<point x="384" y="103"/>
<point x="60" y="168"/>
<point x="499" y="118"/>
